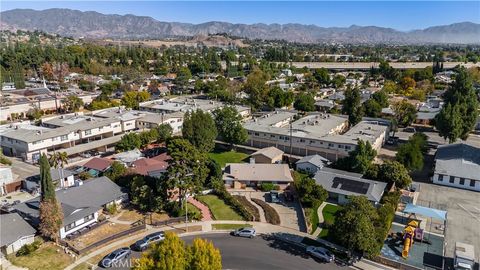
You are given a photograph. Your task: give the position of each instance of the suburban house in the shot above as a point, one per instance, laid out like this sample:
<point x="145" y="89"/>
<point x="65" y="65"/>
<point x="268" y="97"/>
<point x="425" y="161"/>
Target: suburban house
<point x="15" y="233"/>
<point x="268" y="155"/>
<point x="97" y="166"/>
<point x="311" y="164"/>
<point x="150" y="167"/>
<point x="61" y="178"/>
<point x="7" y="182"/>
<point x="340" y="184"/>
<point x="242" y="175"/>
<point x="457" y="165"/>
<point x="81" y="204"/>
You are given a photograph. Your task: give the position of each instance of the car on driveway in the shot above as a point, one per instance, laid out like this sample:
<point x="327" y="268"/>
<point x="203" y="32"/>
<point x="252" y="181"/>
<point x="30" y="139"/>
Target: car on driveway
<point x="245" y="232"/>
<point x="144" y="243"/>
<point x="320" y="253"/>
<point x="116" y="256"/>
<point x="274" y="196"/>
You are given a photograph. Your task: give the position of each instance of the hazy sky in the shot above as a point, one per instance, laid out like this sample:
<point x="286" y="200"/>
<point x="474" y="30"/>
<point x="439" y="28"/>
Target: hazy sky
<point x="406" y="15"/>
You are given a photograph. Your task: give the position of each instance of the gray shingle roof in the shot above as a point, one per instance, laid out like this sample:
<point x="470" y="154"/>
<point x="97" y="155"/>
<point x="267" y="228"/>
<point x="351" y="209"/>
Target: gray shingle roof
<point x="316" y="160"/>
<point x="336" y="182"/>
<point x="80" y="201"/>
<point x="13" y="227"/>
<point x="460" y="159"/>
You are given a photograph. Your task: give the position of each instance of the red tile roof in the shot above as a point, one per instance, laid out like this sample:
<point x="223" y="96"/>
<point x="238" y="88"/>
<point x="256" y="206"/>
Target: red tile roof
<point x="99" y="164"/>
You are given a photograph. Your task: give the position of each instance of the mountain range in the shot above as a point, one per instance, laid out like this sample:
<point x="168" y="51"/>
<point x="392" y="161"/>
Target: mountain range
<point x="90" y="24"/>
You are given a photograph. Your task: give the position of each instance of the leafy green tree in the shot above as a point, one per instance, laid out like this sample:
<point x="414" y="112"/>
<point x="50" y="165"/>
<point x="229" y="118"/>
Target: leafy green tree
<point x="339" y="81"/>
<point x="353" y="222"/>
<point x="256" y="88"/>
<point x="278" y="98"/>
<point x="132" y="99"/>
<point x="164" y="132"/>
<point x="116" y="171"/>
<point x="352" y="106"/>
<point x="187" y="169"/>
<point x="393" y="171"/>
<point x="459" y="115"/>
<point x="47" y="189"/>
<point x="372" y="108"/>
<point x="72" y="103"/>
<point x="203" y="255"/>
<point x="359" y="160"/>
<point x="308" y="190"/>
<point x="142" y="195"/>
<point x="169" y="254"/>
<point x="381" y="97"/>
<point x="229" y="125"/>
<point x="322" y="76"/>
<point x="128" y="142"/>
<point x="411" y="153"/>
<point x="405" y="113"/>
<point x="58" y="159"/>
<point x="200" y="130"/>
<point x="86" y="85"/>
<point x="34" y="114"/>
<point x="304" y="102"/>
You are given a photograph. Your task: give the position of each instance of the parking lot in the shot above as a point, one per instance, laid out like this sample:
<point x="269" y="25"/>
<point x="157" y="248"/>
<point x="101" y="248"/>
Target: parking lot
<point x="463" y="214"/>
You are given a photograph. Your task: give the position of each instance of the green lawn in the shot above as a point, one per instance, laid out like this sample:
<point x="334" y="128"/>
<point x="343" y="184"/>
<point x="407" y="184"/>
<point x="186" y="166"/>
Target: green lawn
<point x="328" y="213"/>
<point x="219" y="209"/>
<point x="223" y="158"/>
<point x="230" y="226"/>
<point x="313" y="216"/>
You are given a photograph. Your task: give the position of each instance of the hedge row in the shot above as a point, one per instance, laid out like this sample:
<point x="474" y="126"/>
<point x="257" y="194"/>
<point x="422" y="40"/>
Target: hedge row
<point x="232" y="202"/>
<point x="386" y="214"/>
<point x="249" y="206"/>
<point x="271" y="214"/>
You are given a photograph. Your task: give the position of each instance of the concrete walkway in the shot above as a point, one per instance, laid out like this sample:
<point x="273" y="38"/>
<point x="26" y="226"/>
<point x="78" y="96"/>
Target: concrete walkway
<point x="260" y="209"/>
<point x="206" y="214"/>
<point x="317" y="232"/>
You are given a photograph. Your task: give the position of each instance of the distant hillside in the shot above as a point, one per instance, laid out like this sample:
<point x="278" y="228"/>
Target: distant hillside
<point x="91" y="24"/>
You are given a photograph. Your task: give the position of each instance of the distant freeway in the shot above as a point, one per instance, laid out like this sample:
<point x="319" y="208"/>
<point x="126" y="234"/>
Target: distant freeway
<point x="368" y="65"/>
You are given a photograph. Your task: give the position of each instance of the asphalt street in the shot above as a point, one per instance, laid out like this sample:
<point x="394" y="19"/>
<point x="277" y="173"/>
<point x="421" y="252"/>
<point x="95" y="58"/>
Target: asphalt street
<point x="262" y="253"/>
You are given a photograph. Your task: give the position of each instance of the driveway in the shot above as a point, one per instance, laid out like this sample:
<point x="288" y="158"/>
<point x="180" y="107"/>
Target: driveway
<point x="290" y="213"/>
<point x="463" y="214"/>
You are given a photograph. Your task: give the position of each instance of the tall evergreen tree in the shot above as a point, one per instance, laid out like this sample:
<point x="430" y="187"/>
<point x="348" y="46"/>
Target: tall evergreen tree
<point x="460" y="113"/>
<point x="200" y="130"/>
<point x="352" y="106"/>
<point x="46" y="185"/>
<point x="51" y="215"/>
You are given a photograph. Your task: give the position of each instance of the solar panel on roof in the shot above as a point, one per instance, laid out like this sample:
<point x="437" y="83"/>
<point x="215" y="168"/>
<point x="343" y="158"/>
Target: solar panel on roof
<point x="350" y="185"/>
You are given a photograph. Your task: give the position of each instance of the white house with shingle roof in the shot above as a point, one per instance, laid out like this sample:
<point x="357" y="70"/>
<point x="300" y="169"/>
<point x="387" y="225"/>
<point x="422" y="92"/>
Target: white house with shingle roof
<point x="458" y="165"/>
<point x="14" y="233"/>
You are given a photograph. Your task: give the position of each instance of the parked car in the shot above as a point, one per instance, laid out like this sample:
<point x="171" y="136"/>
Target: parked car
<point x="410" y="129"/>
<point x="320" y="253"/>
<point x="144" y="243"/>
<point x="245" y="232"/>
<point x="114" y="257"/>
<point x="274" y="196"/>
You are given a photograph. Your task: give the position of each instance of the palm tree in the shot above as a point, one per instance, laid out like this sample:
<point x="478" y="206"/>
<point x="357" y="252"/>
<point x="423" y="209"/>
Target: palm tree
<point x="58" y="160"/>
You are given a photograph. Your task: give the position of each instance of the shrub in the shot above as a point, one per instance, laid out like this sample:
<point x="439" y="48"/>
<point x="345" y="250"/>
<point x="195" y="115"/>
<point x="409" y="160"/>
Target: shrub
<point x="28" y="248"/>
<point x="112" y="208"/>
<point x="270" y="214"/>
<point x="249" y="206"/>
<point x="4" y="160"/>
<point x="327" y="224"/>
<point x="223" y="194"/>
<point x="269" y="186"/>
<point x="84" y="175"/>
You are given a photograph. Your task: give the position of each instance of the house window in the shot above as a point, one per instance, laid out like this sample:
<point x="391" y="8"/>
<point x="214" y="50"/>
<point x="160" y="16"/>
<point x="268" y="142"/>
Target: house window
<point x="272" y="136"/>
<point x="472" y="183"/>
<point x="257" y="134"/>
<point x="440" y="177"/>
<point x="302" y="140"/>
<point x="89" y="217"/>
<point x="88" y="132"/>
<point x="348" y="147"/>
<point x="249" y="133"/>
<point x="462" y="181"/>
<point x="312" y="141"/>
<point x="331" y="145"/>
<point x="64" y="137"/>
<point x="69" y="226"/>
<point x="36" y="142"/>
<point x="452" y="179"/>
<point x="340" y="146"/>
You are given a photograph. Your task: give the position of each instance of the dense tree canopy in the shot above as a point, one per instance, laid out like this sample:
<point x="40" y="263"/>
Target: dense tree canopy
<point x="358" y="160"/>
<point x="304" y="102"/>
<point x="229" y="125"/>
<point x="352" y="106"/>
<point x="200" y="130"/>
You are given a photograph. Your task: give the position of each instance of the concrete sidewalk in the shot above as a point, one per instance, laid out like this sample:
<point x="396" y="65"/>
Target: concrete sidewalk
<point x="206" y="214"/>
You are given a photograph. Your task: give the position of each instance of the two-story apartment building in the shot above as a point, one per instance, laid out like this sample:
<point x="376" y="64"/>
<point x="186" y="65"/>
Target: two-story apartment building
<point x="324" y="134"/>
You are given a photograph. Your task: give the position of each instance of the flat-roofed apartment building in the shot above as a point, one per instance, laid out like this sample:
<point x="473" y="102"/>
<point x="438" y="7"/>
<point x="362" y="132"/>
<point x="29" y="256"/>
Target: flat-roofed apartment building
<point x="319" y="133"/>
<point x="71" y="133"/>
<point x="182" y="104"/>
